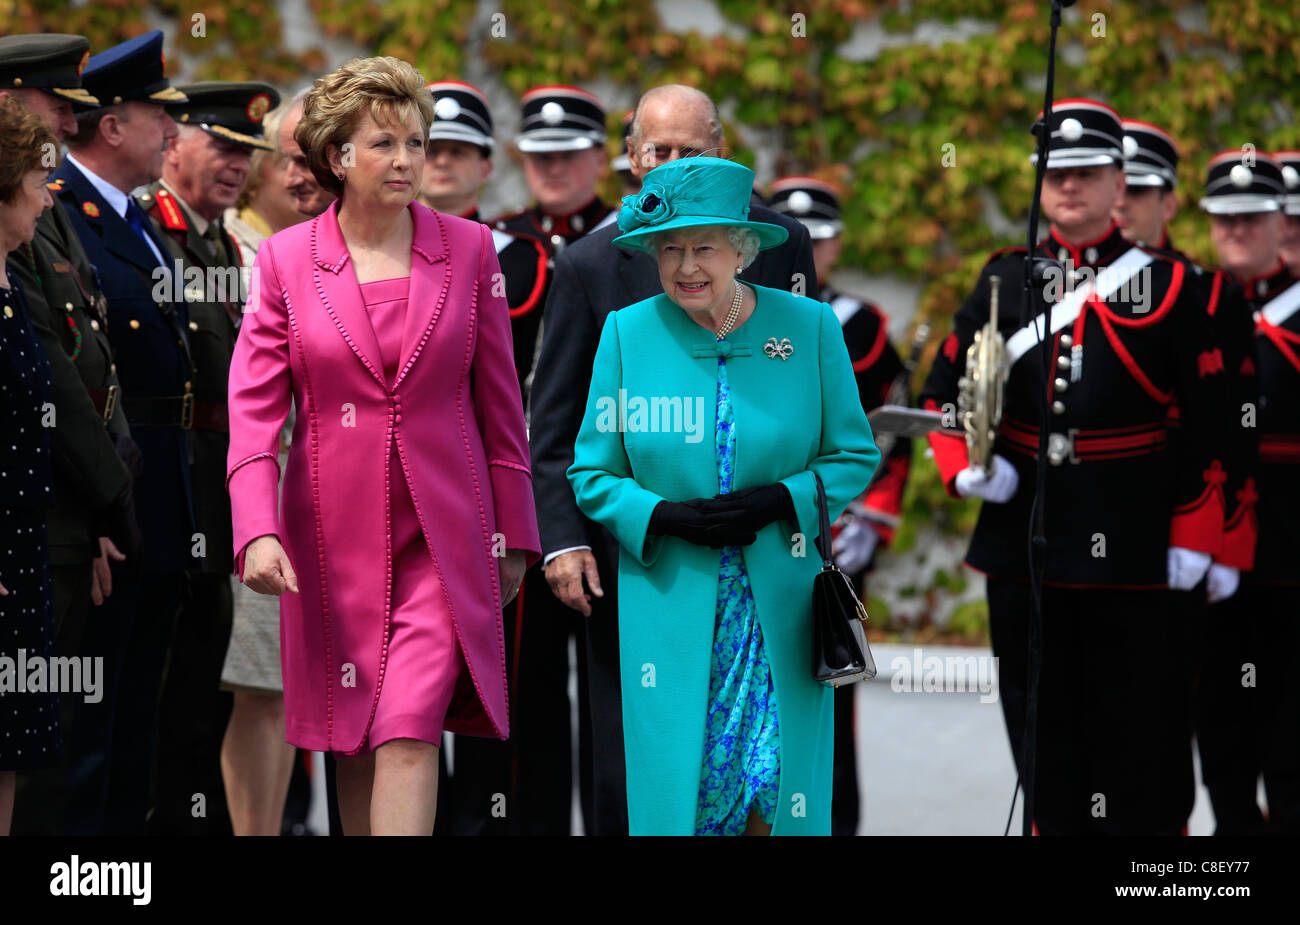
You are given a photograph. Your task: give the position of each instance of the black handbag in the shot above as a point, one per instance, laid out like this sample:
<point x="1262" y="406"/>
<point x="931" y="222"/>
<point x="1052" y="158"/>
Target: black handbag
<point x="840" y="651"/>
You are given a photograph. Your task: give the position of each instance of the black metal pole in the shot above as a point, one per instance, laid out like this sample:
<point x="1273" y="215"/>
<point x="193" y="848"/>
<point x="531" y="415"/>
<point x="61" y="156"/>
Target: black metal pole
<point x="1038" y="531"/>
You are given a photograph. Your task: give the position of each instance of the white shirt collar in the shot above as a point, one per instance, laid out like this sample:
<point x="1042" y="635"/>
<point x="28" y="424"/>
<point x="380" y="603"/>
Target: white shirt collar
<point x="112" y="195"/>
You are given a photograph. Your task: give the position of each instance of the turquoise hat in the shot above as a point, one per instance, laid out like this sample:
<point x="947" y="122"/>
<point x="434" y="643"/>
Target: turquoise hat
<point x="692" y="192"/>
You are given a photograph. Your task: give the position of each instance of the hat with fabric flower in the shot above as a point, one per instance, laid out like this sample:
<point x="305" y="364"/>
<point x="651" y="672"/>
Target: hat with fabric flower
<point x="692" y="192"/>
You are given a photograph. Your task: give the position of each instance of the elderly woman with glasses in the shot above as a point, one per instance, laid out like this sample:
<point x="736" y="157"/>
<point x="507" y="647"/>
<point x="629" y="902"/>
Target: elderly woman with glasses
<point x="711" y="407"/>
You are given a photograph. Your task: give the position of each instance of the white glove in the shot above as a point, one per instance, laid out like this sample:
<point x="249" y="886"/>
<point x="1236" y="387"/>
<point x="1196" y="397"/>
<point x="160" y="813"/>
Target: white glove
<point x="999" y="487"/>
<point x="1221" y="582"/>
<point x="853" y="547"/>
<point x="1186" y="567"/>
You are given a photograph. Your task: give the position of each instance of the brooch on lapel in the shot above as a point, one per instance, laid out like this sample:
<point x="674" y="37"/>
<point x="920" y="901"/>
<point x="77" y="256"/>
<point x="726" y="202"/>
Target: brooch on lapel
<point x="782" y="348"/>
<point x="90" y="209"/>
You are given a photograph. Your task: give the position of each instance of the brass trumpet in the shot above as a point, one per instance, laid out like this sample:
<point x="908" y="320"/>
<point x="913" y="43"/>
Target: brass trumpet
<point x="979" y="396"/>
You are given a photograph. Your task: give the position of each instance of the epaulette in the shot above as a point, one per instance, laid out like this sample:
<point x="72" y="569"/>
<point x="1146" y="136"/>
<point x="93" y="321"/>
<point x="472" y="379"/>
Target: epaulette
<point x="1002" y="252"/>
<point x="1167" y="256"/>
<point x="172" y="217"/>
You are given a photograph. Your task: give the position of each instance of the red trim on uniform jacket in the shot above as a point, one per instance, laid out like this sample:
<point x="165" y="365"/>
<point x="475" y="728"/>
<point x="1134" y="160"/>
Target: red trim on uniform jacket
<point x="949" y="453"/>
<point x="882" y="338"/>
<point x="1198" y="524"/>
<point x="885" y="496"/>
<point x="1109" y="319"/>
<point x="1242" y="531"/>
<point x="1215" y="291"/>
<point x="1281" y="338"/>
<point x="1076" y="250"/>
<point x="539" y="279"/>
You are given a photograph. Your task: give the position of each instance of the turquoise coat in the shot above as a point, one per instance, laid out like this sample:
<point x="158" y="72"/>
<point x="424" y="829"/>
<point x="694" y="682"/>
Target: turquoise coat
<point x="654" y="441"/>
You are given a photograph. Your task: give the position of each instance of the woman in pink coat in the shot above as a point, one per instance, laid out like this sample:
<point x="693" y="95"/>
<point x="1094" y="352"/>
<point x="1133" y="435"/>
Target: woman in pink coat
<point x="407" y="519"/>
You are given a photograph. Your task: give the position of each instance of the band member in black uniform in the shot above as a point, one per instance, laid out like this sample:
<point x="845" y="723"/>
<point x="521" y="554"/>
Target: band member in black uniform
<point x="872" y="518"/>
<point x="117" y="148"/>
<point x="1125" y="521"/>
<point x="525" y="786"/>
<point x="1142" y="213"/>
<point x="92" y="517"/>
<point x="1248" y="719"/>
<point x="204" y="171"/>
<point x="459" y="158"/>
<point x="1289" y="161"/>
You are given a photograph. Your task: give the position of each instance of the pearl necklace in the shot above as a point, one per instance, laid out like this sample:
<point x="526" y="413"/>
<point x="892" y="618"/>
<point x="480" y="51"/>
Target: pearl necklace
<point x="731" y="315"/>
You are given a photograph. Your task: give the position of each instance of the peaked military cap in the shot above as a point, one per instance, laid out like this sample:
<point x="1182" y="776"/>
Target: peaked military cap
<point x="51" y="62"/>
<point x="460" y="113"/>
<point x="1238" y="182"/>
<point x="131" y="71"/>
<point x="813" y="202"/>
<point x="560" y="118"/>
<point x="1150" y="155"/>
<point x="1289" y="161"/>
<point x="1084" y="133"/>
<point x="229" y="111"/>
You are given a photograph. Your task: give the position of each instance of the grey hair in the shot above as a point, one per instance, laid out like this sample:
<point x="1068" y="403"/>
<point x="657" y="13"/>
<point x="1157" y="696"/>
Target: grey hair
<point x="745" y="240"/>
<point x="686" y="93"/>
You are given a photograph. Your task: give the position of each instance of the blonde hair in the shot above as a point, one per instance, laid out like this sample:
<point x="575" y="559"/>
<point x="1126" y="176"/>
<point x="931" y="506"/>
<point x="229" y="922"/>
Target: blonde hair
<point x="262" y="160"/>
<point x="386" y="88"/>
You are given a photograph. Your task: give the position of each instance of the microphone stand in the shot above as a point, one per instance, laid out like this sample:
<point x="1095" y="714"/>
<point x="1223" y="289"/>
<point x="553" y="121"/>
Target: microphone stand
<point x="1038" y="530"/>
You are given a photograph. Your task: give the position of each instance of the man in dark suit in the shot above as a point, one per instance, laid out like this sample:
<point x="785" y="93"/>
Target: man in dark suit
<point x="204" y="171"/>
<point x="117" y="148"/>
<point x="593" y="278"/>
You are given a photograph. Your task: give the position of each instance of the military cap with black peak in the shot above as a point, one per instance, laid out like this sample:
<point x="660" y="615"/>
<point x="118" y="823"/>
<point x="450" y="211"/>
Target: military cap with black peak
<point x="560" y="118"/>
<point x="131" y="71"/>
<point x="1150" y="155"/>
<point x="1240" y="182"/>
<point x="1084" y="133"/>
<point x="460" y="113"/>
<point x="812" y="202"/>
<point x="621" y="164"/>
<point x="1289" y="161"/>
<point x="229" y="111"/>
<point x="51" y="62"/>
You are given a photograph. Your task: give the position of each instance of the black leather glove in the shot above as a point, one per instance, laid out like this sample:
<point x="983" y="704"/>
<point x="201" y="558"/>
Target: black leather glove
<point x="760" y="506"/>
<point x="700" y="521"/>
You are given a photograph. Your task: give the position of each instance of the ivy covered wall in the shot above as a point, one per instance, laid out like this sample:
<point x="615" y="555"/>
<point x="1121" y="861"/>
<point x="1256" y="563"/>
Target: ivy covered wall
<point x="921" y="109"/>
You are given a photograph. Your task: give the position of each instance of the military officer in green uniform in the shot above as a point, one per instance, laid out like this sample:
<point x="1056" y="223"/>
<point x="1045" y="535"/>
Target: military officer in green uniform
<point x="92" y="518"/>
<point x="203" y="173"/>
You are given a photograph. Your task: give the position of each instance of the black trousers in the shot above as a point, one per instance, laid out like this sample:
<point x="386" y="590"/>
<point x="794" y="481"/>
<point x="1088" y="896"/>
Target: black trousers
<point x="190" y="798"/>
<point x="156" y="604"/>
<point x="42" y="797"/>
<point x="1248" y="709"/>
<point x="523" y="786"/>
<point x="1114" y="727"/>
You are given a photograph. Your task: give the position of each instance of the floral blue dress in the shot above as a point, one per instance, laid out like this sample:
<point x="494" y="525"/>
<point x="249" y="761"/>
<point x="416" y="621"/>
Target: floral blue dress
<point x="742" y="754"/>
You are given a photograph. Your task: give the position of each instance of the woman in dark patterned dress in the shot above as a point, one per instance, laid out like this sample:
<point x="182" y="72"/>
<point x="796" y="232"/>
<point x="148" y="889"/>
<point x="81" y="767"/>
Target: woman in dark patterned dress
<point x="29" y="720"/>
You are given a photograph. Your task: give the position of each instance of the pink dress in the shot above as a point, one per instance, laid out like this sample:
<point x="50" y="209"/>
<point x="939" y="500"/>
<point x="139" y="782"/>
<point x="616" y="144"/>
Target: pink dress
<point x="424" y="658"/>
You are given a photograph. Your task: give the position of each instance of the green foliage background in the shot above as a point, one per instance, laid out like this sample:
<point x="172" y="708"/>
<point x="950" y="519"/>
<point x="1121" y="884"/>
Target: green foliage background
<point x="1216" y="75"/>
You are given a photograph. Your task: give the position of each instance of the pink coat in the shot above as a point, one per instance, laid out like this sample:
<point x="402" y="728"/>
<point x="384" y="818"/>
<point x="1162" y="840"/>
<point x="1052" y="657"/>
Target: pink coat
<point x="456" y="417"/>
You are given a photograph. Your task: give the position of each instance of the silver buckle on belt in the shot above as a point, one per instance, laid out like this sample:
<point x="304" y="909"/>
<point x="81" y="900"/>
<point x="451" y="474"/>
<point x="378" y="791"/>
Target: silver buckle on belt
<point x="1060" y="447"/>
<point x="110" y="402"/>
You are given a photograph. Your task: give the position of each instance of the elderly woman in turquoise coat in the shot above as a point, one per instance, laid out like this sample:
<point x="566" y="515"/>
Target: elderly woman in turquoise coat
<point x="711" y="407"/>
